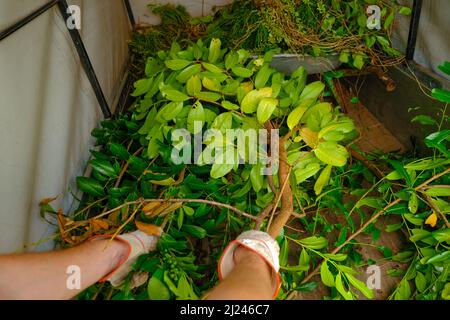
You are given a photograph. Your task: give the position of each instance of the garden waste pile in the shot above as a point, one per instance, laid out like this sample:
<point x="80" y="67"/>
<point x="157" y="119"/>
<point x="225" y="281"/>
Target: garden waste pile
<point x="218" y="142"/>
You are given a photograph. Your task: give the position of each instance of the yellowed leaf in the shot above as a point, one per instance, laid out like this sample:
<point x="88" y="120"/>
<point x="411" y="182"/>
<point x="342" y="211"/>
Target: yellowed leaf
<point x="310" y="137"/>
<point x="432" y="220"/>
<point x="138" y="280"/>
<point x="149" y="229"/>
<point x="151" y="206"/>
<point x="99" y="224"/>
<point x="171" y="208"/>
<point x="165" y="183"/>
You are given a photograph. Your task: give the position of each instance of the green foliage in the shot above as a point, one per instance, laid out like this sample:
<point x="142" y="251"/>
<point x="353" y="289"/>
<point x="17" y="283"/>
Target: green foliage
<point x="135" y="162"/>
<point x="316" y="28"/>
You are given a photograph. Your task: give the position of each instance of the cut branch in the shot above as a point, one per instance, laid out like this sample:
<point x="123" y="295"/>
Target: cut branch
<point x="287" y="202"/>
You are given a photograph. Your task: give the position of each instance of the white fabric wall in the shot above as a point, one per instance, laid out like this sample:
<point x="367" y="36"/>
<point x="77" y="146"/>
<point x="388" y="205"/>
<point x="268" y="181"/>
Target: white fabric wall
<point x="48" y="108"/>
<point x="433" y="44"/>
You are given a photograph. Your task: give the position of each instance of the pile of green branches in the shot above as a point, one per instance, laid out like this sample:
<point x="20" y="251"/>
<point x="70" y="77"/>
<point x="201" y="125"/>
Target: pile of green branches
<point x="199" y="208"/>
<point x="317" y="28"/>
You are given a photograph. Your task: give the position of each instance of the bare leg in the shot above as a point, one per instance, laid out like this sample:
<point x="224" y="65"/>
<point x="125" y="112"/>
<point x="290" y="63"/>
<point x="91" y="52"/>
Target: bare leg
<point x="251" y="279"/>
<point x="44" y="275"/>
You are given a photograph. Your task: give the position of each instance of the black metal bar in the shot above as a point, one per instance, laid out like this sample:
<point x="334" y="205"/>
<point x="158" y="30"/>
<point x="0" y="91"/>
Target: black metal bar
<point x="23" y="22"/>
<point x="85" y="61"/>
<point x="413" y="29"/>
<point x="130" y="13"/>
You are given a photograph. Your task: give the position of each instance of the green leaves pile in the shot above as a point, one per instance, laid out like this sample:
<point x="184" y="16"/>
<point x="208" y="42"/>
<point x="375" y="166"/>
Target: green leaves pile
<point x="225" y="89"/>
<point x="228" y="90"/>
<point x="317" y="28"/>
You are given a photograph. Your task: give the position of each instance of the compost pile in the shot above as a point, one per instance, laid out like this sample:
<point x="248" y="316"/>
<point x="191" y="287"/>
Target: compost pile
<point x="318" y="200"/>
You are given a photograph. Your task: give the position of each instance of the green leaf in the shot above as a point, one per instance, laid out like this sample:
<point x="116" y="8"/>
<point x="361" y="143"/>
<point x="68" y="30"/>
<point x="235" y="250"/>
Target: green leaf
<point x="344" y="57"/>
<point x="421" y="282"/>
<point x="403" y="291"/>
<point x="142" y="87"/>
<point x="326" y="276"/>
<point x="253" y="98"/>
<point x="197" y="114"/>
<point x="446" y="292"/>
<point x="358" y="61"/>
<point x="188" y="211"/>
<point x="157" y="290"/>
<point x="437" y="140"/>
<point x="342" y="236"/>
<point x="214" y="50"/>
<point x="427" y="164"/>
<point x="414" y="220"/>
<point x="304" y="174"/>
<point x="405" y="11"/>
<point x="441" y="95"/>
<point x="189" y="72"/>
<point x="231" y="60"/>
<point x="340" y="288"/>
<point x="194" y="86"/>
<point x="360" y="286"/>
<point x="304" y="259"/>
<point x="413" y="203"/>
<point x="336" y="257"/>
<point x="104" y="167"/>
<point x="230" y="106"/>
<point x="119" y="151"/>
<point x="180" y="219"/>
<point x="212" y="68"/>
<point x="394" y="175"/>
<point x="315" y="243"/>
<point x="443" y="256"/>
<point x="332" y="153"/>
<point x="266" y="108"/>
<point x="323" y="179"/>
<point x="208" y="96"/>
<point x="211" y="85"/>
<point x="312" y="91"/>
<point x="419" y="234"/>
<point x="438" y="192"/>
<point x="220" y="170"/>
<point x="307" y="287"/>
<point x="263" y="76"/>
<point x="296" y="115"/>
<point x="284" y="253"/>
<point x="425" y="120"/>
<point x="336" y="131"/>
<point x="177" y="64"/>
<point x="442" y="235"/>
<point x="257" y="178"/>
<point x="383" y="41"/>
<point x="175" y="95"/>
<point x="223" y="122"/>
<point x="196" y="232"/>
<point x="389" y="20"/>
<point x="445" y="67"/>
<point x="242" y="72"/>
<point x="371" y="202"/>
<point x="170" y="111"/>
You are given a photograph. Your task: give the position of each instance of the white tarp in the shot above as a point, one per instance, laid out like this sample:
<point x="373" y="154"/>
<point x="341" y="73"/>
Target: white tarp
<point x="48" y="107"/>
